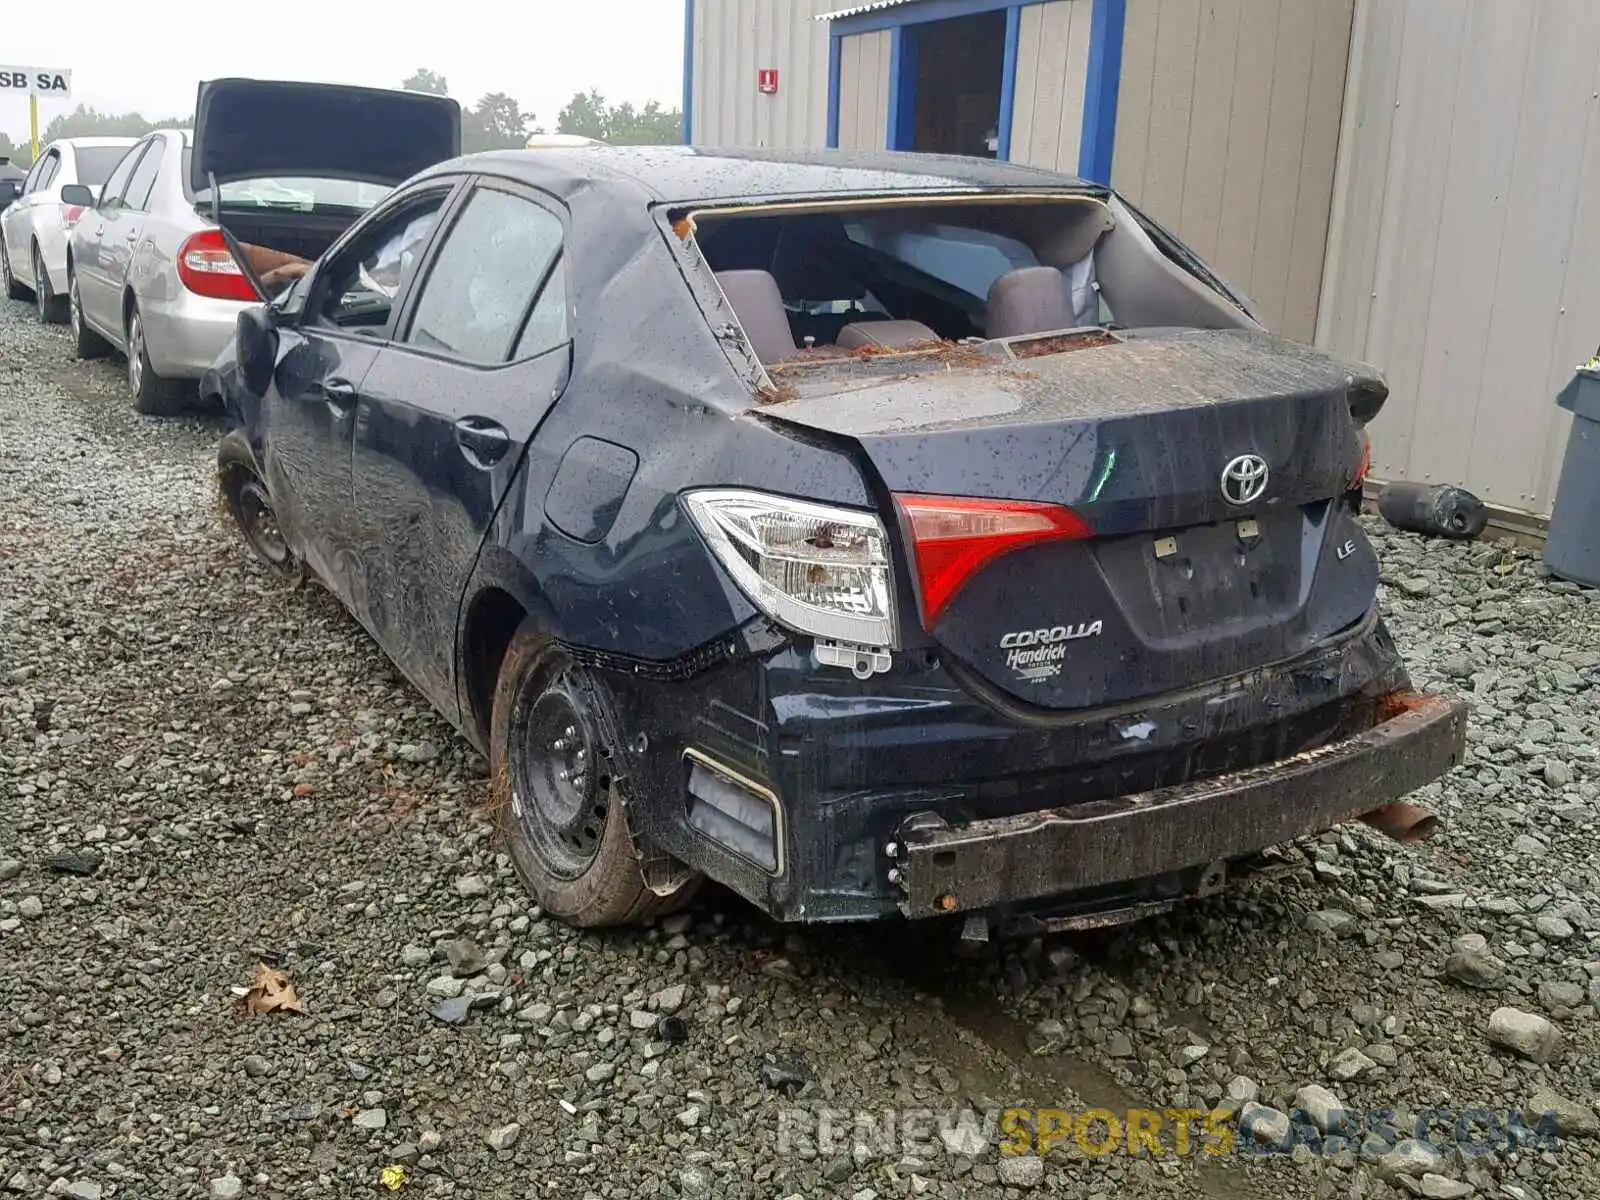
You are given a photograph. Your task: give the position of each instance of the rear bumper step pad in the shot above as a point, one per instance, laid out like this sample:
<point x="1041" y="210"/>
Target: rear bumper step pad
<point x="943" y="868"/>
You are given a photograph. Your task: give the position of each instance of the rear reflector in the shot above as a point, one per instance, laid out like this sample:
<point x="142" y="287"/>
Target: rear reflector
<point x="207" y="268"/>
<point x="954" y="536"/>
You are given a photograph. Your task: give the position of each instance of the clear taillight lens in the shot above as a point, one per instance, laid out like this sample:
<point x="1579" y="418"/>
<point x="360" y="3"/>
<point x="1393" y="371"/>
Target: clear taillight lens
<point x="815" y="568"/>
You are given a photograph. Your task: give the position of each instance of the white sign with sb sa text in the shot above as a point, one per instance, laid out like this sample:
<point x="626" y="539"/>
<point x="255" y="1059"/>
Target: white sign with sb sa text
<point x="55" y="82"/>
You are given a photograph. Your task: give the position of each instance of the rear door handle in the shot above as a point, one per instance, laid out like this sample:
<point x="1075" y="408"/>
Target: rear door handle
<point x="340" y="395"/>
<point x="483" y="441"/>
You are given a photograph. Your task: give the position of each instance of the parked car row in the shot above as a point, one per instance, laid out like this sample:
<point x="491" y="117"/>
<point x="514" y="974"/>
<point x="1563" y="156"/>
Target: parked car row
<point x="147" y="246"/>
<point x="874" y="534"/>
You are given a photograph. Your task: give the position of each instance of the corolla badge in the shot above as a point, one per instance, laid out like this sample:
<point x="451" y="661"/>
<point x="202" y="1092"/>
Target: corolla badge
<point x="1038" y="654"/>
<point x="1244" y="479"/>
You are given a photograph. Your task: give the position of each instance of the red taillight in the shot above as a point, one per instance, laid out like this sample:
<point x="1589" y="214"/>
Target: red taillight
<point x="207" y="268"/>
<point x="954" y="536"/>
<point x="1366" y="461"/>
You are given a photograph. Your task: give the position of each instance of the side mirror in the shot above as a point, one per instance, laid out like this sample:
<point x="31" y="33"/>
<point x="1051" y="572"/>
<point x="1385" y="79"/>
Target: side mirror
<point x="255" y="347"/>
<point x="77" y="193"/>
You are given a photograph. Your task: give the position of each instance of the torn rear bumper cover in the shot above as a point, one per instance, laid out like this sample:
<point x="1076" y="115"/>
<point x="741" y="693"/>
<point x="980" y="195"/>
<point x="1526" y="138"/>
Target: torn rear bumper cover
<point x="944" y="868"/>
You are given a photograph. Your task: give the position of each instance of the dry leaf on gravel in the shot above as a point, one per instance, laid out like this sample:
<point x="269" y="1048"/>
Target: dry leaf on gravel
<point x="271" y="990"/>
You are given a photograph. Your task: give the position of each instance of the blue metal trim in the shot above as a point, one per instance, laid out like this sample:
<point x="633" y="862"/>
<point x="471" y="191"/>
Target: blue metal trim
<point x="902" y="124"/>
<point x="835" y="52"/>
<point x="919" y="13"/>
<point x="1008" y="80"/>
<point x="1101" y="84"/>
<point x="688" y="72"/>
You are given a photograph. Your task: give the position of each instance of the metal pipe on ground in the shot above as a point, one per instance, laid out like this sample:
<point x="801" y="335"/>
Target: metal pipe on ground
<point x="1405" y="823"/>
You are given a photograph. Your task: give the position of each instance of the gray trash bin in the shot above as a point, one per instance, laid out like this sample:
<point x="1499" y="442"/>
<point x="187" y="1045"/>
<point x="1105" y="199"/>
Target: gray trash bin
<point x="1573" y="549"/>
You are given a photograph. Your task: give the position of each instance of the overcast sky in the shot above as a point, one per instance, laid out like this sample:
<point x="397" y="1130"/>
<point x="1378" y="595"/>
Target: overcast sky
<point x="149" y="57"/>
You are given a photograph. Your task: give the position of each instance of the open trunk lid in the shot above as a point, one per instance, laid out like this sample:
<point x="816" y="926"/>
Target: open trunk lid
<point x="1197" y="564"/>
<point x="258" y="129"/>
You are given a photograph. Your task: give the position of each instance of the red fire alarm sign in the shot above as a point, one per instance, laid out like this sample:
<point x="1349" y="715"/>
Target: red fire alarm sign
<point x="767" y="81"/>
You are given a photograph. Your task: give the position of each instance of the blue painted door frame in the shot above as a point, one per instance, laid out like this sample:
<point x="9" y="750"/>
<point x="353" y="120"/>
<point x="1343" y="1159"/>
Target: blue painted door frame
<point x="1101" y="82"/>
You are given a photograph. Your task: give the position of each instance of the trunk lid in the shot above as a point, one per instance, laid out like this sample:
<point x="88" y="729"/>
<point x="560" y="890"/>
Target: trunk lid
<point x="259" y="128"/>
<point x="1179" y="583"/>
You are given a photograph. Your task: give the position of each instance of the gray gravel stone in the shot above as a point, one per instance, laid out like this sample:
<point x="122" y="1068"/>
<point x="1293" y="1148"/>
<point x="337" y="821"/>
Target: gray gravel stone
<point x="1571" y="1118"/>
<point x="1350" y="1064"/>
<point x="1442" y="1187"/>
<point x="227" y="1187"/>
<point x="503" y="1137"/>
<point x="1020" y="1170"/>
<point x="1320" y="1106"/>
<point x="1525" y="1034"/>
<point x="370" y="1118"/>
<point x="1472" y="964"/>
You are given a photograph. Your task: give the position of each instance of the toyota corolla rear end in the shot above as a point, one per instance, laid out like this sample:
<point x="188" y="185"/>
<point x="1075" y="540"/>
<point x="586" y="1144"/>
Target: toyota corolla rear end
<point x="1108" y="629"/>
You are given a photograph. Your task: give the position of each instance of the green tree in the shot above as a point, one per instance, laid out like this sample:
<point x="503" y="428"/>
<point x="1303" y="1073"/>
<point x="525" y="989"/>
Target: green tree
<point x="84" y="121"/>
<point x="424" y="80"/>
<point x="588" y="115"/>
<point x="19" y="155"/>
<point x="497" y="123"/>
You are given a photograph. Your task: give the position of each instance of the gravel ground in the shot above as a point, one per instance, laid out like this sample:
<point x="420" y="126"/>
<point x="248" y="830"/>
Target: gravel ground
<point x="245" y="779"/>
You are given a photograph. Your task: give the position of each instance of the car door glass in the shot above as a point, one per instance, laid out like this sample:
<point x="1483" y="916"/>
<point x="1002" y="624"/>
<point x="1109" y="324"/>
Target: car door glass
<point x="547" y="323"/>
<point x="143" y="180"/>
<point x="32" y="183"/>
<point x="111" y="194"/>
<point x="364" y="280"/>
<point x="52" y="164"/>
<point x="478" y="293"/>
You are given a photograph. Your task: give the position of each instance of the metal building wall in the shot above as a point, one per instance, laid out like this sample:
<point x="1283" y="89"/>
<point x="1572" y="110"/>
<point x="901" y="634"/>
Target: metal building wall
<point x="733" y="40"/>
<point x="1047" y="104"/>
<point x="864" y="90"/>
<point x="1228" y="133"/>
<point x="1464" y="254"/>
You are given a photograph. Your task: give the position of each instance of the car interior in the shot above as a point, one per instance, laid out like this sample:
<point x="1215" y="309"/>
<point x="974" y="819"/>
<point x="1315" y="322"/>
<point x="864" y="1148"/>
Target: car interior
<point x="841" y="280"/>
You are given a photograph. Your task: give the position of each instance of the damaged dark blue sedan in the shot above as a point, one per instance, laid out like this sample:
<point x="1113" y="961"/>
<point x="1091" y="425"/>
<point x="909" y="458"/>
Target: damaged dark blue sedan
<point x="872" y="534"/>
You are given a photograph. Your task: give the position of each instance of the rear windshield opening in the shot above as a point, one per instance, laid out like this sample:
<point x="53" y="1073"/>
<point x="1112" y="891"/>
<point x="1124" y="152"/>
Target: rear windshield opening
<point x="849" y="280"/>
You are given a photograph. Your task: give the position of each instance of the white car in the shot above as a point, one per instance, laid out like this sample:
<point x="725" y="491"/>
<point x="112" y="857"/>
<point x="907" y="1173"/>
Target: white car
<point x="159" y="268"/>
<point x="34" y="227"/>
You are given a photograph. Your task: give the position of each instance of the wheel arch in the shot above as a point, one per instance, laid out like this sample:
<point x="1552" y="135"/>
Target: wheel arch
<point x="500" y="596"/>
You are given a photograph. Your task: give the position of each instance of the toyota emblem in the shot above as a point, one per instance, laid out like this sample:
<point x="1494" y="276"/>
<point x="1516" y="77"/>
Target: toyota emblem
<point x="1244" y="479"/>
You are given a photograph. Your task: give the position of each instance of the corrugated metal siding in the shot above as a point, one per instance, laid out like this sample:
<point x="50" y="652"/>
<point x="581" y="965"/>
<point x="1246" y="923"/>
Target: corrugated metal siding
<point x="864" y="91"/>
<point x="1052" y="60"/>
<point x="1228" y="133"/>
<point x="1466" y="235"/>
<point x="734" y="39"/>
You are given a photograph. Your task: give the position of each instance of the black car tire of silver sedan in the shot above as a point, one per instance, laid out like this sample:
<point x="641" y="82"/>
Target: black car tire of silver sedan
<point x="14" y="290"/>
<point x="558" y="790"/>
<point x="86" y="343"/>
<point x="244" y="493"/>
<point x="152" y="395"/>
<point x="52" y="309"/>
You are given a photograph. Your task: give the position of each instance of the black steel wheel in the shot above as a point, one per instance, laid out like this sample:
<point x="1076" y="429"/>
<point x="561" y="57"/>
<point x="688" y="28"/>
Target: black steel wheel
<point x="249" y="502"/>
<point x="559" y="790"/>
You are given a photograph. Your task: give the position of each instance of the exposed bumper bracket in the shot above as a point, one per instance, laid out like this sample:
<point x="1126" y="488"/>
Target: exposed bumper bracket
<point x="943" y="868"/>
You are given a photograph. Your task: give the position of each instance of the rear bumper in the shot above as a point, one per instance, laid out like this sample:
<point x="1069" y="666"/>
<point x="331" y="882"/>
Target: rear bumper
<point x="945" y="868"/>
<point x="837" y="771"/>
<point x="185" y="333"/>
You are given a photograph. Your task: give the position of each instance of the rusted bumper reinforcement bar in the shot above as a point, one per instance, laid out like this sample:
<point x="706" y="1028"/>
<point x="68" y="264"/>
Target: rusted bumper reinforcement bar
<point x="944" y="868"/>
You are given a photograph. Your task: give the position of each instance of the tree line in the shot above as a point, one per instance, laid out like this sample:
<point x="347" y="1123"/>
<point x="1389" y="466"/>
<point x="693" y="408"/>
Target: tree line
<point x="495" y="122"/>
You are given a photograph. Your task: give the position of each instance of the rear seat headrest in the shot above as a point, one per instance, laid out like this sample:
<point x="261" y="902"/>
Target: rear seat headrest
<point x="1028" y="300"/>
<point x="890" y="335"/>
<point x="757" y="303"/>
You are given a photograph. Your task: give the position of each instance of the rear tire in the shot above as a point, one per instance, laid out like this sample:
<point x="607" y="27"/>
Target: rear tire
<point x="86" y="343"/>
<point x="244" y="493"/>
<point x="52" y="309"/>
<point x="152" y="395"/>
<point x="14" y="290"/>
<point x="559" y="790"/>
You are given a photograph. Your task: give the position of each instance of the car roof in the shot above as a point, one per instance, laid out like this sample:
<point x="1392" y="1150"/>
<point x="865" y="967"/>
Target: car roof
<point x="91" y="142"/>
<point x="691" y="174"/>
